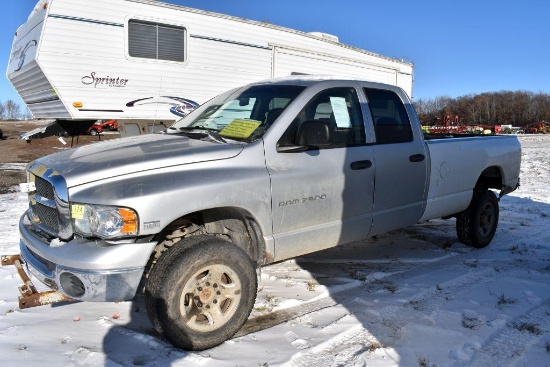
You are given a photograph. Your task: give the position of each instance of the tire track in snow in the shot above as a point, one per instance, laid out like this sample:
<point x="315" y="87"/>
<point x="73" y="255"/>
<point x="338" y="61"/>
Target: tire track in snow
<point x="345" y="296"/>
<point x="433" y="298"/>
<point x="506" y="346"/>
<point x="347" y="348"/>
<point x="350" y="347"/>
<point x="344" y="349"/>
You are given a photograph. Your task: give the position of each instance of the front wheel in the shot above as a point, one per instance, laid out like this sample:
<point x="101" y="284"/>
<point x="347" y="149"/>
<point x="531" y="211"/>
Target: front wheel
<point x="476" y="226"/>
<point x="199" y="294"/>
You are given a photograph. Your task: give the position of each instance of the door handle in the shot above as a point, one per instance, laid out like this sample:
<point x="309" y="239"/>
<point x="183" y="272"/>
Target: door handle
<point x="416" y="158"/>
<point x="360" y="165"/>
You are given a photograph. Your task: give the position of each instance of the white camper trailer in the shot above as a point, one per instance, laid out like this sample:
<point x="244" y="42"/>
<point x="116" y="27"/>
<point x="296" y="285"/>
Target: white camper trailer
<point x="146" y="63"/>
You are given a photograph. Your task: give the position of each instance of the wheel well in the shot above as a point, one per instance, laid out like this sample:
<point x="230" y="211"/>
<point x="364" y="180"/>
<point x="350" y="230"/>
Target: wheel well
<point x="490" y="178"/>
<point x="232" y="224"/>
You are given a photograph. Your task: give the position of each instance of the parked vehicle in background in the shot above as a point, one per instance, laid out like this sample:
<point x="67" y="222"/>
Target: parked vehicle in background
<point x="164" y="60"/>
<point x="94" y="130"/>
<point x="259" y="174"/>
<point x="110" y="125"/>
<point x="102" y="125"/>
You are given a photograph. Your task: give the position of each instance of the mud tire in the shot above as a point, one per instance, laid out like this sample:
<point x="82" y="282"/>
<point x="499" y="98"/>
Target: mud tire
<point x="201" y="292"/>
<point x="476" y="226"/>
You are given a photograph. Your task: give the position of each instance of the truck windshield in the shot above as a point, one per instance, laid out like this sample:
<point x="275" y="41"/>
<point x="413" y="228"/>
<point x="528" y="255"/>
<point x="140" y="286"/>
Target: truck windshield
<point x="243" y="114"/>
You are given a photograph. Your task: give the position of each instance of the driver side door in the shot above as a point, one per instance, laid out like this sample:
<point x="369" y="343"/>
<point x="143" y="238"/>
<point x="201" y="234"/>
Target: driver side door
<point x="323" y="196"/>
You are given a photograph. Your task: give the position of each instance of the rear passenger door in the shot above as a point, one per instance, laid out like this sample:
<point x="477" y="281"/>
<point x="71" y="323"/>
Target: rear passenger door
<point x="401" y="161"/>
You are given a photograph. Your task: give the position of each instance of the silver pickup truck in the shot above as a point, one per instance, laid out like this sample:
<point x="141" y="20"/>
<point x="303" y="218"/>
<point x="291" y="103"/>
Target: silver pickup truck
<point x="259" y="174"/>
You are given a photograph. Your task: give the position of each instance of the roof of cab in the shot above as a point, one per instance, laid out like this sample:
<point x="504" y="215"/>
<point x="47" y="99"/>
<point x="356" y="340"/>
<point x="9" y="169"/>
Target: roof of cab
<point x="304" y="79"/>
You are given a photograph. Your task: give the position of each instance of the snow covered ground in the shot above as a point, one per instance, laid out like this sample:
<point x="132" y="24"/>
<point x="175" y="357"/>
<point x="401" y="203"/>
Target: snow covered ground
<point x="414" y="297"/>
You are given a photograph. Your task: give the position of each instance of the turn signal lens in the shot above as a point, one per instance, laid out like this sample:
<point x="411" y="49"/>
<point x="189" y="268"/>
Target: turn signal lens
<point x="129" y="219"/>
<point x="77" y="104"/>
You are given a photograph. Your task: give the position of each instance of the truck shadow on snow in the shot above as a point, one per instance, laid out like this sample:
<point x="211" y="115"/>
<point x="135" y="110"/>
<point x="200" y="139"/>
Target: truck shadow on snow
<point x="355" y="280"/>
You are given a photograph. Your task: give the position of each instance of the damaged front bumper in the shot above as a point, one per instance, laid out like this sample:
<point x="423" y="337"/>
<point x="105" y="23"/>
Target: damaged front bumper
<point x="85" y="270"/>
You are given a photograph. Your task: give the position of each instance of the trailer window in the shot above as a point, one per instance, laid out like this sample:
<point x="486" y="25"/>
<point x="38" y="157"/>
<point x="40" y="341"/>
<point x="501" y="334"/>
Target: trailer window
<point x="156" y="41"/>
<point x="391" y="122"/>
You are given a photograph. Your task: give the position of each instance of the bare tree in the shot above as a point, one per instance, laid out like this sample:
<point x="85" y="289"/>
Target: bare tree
<point x="12" y="110"/>
<point x="505" y="107"/>
<point x="26" y="114"/>
<point x="2" y="111"/>
<point x="541" y="106"/>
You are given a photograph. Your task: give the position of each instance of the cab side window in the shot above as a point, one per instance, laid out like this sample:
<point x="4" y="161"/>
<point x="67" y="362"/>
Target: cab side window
<point x="391" y="122"/>
<point x="339" y="109"/>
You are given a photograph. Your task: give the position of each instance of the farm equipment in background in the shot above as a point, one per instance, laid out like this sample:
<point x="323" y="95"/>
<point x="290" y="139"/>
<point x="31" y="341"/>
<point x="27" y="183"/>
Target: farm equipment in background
<point x="449" y="125"/>
<point x="453" y="125"/>
<point x="102" y="125"/>
<point x="537" y="128"/>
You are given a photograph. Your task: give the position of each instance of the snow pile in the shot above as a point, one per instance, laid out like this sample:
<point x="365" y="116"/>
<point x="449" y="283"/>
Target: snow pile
<point x="414" y="297"/>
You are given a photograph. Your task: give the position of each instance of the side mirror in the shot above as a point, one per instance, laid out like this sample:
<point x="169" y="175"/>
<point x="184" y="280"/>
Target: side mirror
<point x="314" y="133"/>
<point x="311" y="134"/>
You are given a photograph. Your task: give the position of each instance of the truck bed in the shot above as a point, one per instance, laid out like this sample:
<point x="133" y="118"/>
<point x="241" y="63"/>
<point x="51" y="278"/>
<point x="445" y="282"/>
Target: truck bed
<point x="456" y="162"/>
<point x="433" y="136"/>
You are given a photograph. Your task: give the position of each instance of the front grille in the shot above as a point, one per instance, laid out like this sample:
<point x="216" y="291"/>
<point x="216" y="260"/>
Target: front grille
<point x="44" y="188"/>
<point x="48" y="216"/>
<point x="43" y="206"/>
<point x="49" y="204"/>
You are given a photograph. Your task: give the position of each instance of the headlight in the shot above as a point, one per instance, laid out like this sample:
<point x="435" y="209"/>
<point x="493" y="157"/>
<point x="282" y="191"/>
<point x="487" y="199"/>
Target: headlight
<point x="104" y="221"/>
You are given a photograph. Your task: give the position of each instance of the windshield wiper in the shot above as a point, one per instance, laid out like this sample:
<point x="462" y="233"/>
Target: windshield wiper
<point x="214" y="135"/>
<point x="211" y="132"/>
<point x="198" y="127"/>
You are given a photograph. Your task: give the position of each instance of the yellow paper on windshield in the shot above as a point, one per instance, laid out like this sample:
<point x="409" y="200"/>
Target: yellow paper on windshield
<point x="77" y="211"/>
<point x="240" y="129"/>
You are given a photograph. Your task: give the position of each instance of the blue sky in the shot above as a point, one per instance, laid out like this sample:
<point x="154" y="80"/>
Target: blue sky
<point x="458" y="47"/>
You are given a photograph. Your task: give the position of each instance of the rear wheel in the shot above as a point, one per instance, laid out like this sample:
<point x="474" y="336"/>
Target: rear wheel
<point x="200" y="293"/>
<point x="94" y="132"/>
<point x="476" y="226"/>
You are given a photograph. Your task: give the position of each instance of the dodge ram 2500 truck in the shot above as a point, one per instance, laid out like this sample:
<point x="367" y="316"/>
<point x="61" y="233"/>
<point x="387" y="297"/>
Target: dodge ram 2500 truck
<point x="259" y="174"/>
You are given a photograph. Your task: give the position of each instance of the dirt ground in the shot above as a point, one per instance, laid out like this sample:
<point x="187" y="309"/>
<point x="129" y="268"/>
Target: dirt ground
<point x="15" y="150"/>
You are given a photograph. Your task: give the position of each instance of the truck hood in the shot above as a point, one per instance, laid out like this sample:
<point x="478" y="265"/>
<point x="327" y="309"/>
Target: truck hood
<point x="135" y="154"/>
